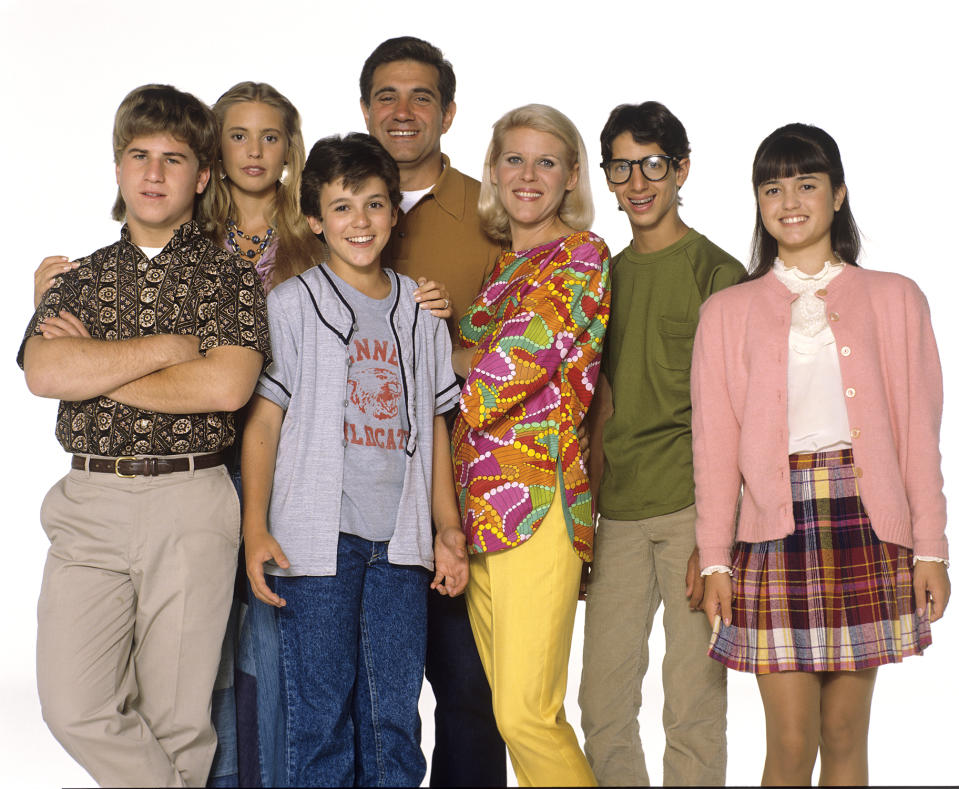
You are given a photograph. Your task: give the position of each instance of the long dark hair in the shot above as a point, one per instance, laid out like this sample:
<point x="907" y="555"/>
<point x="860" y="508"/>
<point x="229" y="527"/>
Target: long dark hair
<point x="800" y="149"/>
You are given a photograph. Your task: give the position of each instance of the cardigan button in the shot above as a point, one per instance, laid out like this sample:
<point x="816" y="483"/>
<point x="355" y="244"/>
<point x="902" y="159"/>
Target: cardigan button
<point x="855" y="432"/>
<point x="851" y="392"/>
<point x="834" y="316"/>
<point x="821" y="293"/>
<point x="845" y="350"/>
<point x="858" y="472"/>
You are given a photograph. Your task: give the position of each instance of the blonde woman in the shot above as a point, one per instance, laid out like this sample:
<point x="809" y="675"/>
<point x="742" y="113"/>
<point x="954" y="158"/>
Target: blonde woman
<point x="530" y="356"/>
<point x="257" y="203"/>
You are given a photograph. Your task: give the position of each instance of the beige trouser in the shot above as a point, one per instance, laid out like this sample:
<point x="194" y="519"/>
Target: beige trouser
<point x="135" y="597"/>
<point x="637" y="565"/>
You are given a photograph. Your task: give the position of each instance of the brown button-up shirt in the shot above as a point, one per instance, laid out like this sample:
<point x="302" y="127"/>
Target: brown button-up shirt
<point x="191" y="287"/>
<point x="440" y="239"/>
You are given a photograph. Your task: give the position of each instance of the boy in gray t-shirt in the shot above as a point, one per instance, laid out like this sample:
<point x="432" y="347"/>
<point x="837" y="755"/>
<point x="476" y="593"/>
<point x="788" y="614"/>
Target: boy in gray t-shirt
<point x="345" y="459"/>
<point x="375" y="425"/>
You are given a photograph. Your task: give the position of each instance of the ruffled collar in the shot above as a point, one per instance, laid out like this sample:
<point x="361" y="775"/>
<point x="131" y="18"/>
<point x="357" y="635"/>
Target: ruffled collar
<point x="809" y="310"/>
<point x="798" y="281"/>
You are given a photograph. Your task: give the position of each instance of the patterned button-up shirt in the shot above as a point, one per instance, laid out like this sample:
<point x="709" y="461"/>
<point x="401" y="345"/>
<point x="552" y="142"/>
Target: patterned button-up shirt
<point x="537" y="329"/>
<point x="191" y="287"/>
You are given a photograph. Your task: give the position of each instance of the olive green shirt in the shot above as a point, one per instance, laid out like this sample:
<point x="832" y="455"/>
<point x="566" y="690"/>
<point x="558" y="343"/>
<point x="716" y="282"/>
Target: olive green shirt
<point x="647" y="442"/>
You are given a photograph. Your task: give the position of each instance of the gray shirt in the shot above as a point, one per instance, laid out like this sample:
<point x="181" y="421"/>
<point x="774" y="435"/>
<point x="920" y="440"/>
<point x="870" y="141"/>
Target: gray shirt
<point x="375" y="424"/>
<point x="313" y="325"/>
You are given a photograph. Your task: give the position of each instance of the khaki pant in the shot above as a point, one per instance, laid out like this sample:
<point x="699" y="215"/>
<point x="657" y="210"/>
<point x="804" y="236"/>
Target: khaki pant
<point x="637" y="565"/>
<point x="136" y="592"/>
<point x="521" y="604"/>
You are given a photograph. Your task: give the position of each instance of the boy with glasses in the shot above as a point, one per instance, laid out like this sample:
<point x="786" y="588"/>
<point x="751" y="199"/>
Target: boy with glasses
<point x="641" y="470"/>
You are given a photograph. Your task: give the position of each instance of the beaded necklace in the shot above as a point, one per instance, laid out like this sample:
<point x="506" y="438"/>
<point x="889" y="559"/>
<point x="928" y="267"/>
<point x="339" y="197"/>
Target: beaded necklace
<point x="232" y="231"/>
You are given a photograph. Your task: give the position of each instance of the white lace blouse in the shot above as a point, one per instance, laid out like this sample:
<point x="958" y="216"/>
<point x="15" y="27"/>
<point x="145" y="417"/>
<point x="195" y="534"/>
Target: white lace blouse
<point x="815" y="404"/>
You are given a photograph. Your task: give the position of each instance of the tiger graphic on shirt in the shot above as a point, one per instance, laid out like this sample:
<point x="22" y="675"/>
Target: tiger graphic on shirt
<point x="374" y="393"/>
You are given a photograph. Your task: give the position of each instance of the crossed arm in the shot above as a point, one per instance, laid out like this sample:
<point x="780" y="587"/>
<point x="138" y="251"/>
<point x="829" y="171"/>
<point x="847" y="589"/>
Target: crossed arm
<point x="163" y="372"/>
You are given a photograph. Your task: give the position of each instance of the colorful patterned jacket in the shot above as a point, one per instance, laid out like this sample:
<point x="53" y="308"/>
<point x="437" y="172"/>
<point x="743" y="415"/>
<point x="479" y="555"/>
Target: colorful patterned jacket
<point x="538" y="329"/>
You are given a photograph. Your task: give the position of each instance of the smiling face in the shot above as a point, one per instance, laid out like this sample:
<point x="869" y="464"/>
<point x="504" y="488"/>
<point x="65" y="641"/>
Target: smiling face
<point x="652" y="206"/>
<point x="798" y="212"/>
<point x="159" y="178"/>
<point x="405" y="115"/>
<point x="356" y="225"/>
<point x="531" y="177"/>
<point x="253" y="146"/>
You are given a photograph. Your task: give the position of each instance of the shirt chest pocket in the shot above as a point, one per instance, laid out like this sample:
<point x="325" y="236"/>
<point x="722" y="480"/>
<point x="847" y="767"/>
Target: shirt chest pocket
<point x="674" y="343"/>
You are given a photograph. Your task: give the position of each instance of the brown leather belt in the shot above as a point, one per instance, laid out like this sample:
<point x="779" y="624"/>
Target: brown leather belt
<point x="128" y="466"/>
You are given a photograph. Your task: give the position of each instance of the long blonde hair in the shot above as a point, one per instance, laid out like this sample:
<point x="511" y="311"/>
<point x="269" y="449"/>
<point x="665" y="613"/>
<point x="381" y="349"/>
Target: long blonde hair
<point x="576" y="210"/>
<point x="297" y="248"/>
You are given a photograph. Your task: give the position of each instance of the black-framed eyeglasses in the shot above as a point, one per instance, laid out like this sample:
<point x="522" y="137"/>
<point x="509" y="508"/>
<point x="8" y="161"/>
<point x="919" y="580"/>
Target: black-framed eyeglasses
<point x="653" y="168"/>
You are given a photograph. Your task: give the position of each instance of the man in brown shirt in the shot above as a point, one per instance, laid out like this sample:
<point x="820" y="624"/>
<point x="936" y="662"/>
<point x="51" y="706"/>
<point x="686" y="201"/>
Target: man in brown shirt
<point x="406" y="95"/>
<point x="149" y="344"/>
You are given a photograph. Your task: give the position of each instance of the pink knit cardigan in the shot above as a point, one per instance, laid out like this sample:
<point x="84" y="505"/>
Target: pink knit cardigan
<point x="892" y="384"/>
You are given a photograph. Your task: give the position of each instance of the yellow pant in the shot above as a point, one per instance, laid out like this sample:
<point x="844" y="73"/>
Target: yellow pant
<point x="522" y="603"/>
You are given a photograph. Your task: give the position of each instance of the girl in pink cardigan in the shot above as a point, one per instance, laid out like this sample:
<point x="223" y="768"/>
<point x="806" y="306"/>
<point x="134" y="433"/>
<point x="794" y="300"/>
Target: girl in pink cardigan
<point x="817" y="399"/>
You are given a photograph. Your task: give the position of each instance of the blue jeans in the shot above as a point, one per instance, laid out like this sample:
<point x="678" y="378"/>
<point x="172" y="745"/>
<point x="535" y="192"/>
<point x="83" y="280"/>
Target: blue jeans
<point x="247" y="714"/>
<point x="223" y="770"/>
<point x="261" y="724"/>
<point x="352" y="649"/>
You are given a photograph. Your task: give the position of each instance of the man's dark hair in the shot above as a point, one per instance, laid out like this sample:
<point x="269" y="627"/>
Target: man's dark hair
<point x="409" y="48"/>
<point x="648" y="123"/>
<point x="352" y="159"/>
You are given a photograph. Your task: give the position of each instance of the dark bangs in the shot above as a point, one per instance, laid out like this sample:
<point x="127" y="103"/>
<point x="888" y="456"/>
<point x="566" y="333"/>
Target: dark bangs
<point x="353" y="160"/>
<point x="788" y="155"/>
<point x="801" y="149"/>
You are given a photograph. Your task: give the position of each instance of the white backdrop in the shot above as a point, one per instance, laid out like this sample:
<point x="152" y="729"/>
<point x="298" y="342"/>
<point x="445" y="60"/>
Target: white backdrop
<point x="877" y="75"/>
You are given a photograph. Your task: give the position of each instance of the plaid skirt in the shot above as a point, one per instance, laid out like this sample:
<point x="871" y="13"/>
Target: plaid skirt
<point x="829" y="597"/>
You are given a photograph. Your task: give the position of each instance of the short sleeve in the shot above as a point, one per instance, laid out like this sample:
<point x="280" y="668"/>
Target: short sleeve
<point x="277" y="379"/>
<point x="446" y="388"/>
<point x="238" y="314"/>
<point x="63" y="295"/>
<point x="730" y="272"/>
